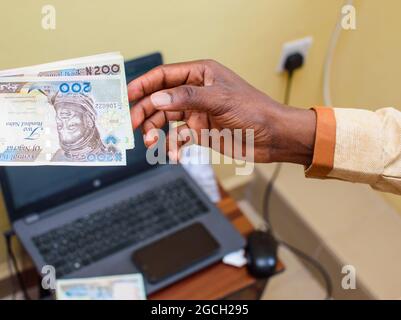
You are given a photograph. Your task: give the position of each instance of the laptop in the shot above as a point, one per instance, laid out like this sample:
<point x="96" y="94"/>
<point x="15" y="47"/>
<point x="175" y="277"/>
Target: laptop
<point x="96" y="221"/>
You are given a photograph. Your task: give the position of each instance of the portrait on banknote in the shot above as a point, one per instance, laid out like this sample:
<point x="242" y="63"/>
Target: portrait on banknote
<point x="79" y="136"/>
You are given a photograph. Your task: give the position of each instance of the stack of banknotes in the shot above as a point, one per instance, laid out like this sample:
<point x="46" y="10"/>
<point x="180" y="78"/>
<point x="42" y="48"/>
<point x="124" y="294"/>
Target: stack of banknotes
<point x="70" y="112"/>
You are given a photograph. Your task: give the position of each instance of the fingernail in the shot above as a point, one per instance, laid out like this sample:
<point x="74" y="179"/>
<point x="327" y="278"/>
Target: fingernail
<point x="150" y="136"/>
<point x="160" y="99"/>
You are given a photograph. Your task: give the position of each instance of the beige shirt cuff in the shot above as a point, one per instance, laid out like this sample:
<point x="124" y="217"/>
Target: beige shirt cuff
<point x="347" y="145"/>
<point x="358" y="155"/>
<point x="359" y="146"/>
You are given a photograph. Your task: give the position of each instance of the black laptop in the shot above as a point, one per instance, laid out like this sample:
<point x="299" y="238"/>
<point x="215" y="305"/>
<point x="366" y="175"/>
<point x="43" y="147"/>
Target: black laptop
<point x="95" y="221"/>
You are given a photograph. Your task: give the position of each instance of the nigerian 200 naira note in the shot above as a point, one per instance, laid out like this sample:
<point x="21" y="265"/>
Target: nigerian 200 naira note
<point x="107" y="64"/>
<point x="62" y="121"/>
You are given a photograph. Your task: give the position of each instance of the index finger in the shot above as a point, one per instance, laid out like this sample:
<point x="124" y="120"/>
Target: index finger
<point x="165" y="77"/>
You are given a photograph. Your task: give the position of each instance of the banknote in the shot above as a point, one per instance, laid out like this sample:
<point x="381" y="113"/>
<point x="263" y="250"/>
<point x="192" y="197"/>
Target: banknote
<point x="62" y="63"/>
<point x="120" y="287"/>
<point x="62" y="120"/>
<point x="109" y="64"/>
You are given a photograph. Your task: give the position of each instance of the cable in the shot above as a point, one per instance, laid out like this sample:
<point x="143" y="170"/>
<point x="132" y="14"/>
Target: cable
<point x="12" y="279"/>
<point x="287" y="91"/>
<point x="8" y="235"/>
<point x="268" y="192"/>
<point x="315" y="263"/>
<point x="266" y="214"/>
<point x="276" y="172"/>
<point x="329" y="59"/>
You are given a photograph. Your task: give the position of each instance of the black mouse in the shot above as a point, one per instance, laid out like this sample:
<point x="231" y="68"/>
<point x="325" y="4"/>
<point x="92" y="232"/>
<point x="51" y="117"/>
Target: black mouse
<point x="261" y="252"/>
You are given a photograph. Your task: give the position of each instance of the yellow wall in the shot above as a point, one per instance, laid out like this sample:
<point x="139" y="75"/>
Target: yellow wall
<point x="242" y="34"/>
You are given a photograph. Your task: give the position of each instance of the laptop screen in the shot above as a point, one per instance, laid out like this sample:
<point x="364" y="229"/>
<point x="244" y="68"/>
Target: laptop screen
<point x="30" y="190"/>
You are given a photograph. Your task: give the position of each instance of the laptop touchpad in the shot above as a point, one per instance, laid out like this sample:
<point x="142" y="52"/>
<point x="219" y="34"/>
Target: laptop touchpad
<point x="174" y="253"/>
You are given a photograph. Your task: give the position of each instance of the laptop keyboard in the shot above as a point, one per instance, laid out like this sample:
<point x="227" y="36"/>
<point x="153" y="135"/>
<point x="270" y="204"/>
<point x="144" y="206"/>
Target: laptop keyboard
<point x="110" y="229"/>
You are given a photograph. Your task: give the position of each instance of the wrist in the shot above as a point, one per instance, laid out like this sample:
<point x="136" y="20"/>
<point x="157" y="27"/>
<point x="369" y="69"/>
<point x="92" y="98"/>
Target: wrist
<point x="293" y="133"/>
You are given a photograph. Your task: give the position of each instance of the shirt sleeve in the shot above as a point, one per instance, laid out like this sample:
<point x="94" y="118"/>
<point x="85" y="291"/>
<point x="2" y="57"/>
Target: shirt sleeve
<point x="358" y="146"/>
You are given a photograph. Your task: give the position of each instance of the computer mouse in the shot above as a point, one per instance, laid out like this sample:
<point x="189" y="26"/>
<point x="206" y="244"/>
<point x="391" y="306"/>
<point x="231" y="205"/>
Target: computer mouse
<point x="261" y="252"/>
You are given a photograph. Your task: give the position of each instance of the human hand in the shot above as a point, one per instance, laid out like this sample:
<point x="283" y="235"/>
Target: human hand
<point x="206" y="95"/>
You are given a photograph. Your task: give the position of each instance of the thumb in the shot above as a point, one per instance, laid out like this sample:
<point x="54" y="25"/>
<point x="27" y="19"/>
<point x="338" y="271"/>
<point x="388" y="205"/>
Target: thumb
<point x="182" y="98"/>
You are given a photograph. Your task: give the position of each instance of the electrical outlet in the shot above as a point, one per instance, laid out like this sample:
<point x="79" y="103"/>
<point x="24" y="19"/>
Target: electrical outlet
<point x="301" y="46"/>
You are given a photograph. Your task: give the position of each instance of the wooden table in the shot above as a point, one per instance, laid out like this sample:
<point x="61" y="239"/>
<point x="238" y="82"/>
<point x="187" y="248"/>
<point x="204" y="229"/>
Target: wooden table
<point x="220" y="281"/>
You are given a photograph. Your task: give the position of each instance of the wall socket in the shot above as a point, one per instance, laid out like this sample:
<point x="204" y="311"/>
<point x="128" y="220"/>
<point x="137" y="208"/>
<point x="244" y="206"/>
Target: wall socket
<point x="300" y="45"/>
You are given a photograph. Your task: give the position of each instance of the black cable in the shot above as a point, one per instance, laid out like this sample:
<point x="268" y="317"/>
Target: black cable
<point x="288" y="86"/>
<point x="315" y="263"/>
<point x="8" y="235"/>
<point x="12" y="279"/>
<point x="269" y="187"/>
<point x="268" y="192"/>
<point x="266" y="214"/>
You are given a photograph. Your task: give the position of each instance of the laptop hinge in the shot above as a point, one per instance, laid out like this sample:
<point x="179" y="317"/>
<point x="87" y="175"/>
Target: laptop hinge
<point x="31" y="218"/>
